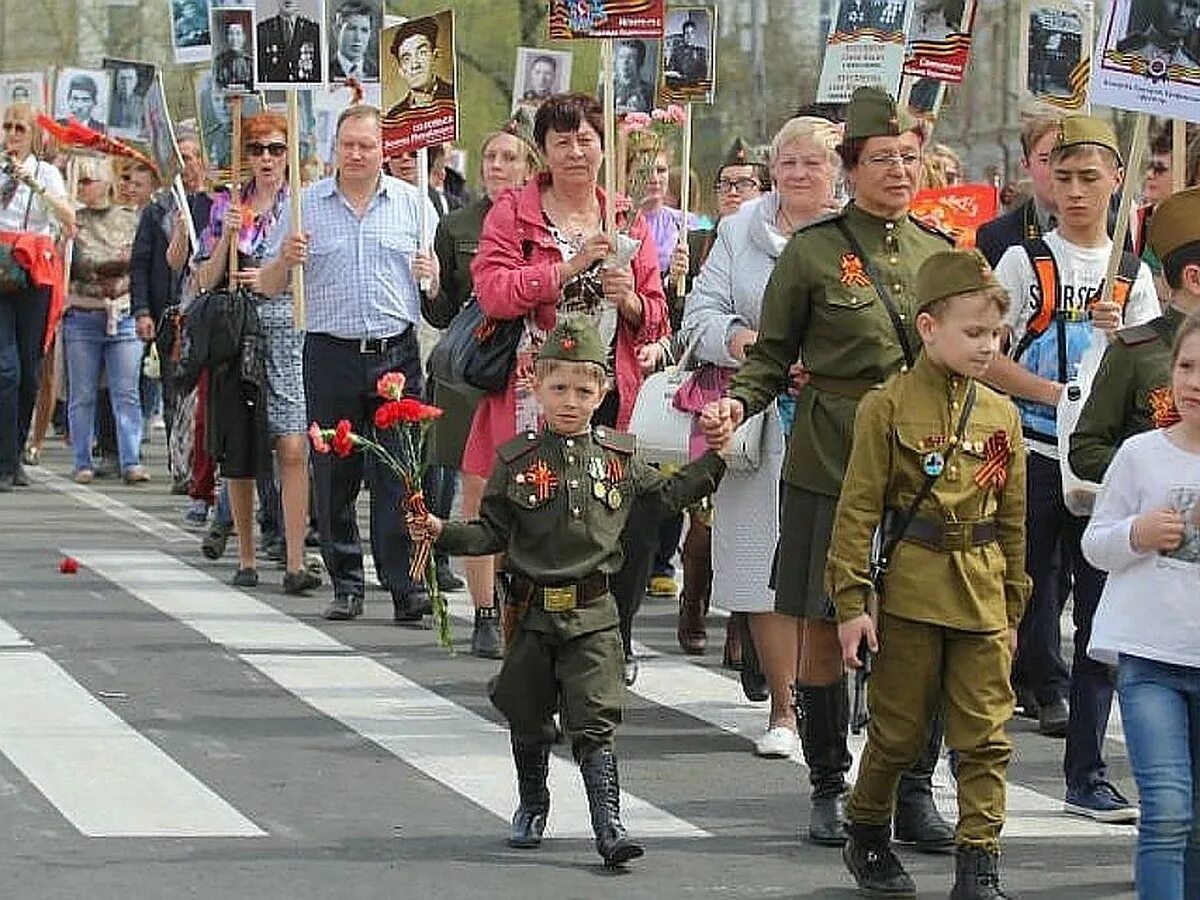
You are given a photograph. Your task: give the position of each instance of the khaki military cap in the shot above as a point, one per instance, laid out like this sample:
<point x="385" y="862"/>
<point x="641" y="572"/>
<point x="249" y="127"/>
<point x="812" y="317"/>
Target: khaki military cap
<point x="873" y="113"/>
<point x="1076" y="130"/>
<point x="953" y="272"/>
<point x="1176" y="222"/>
<point x="574" y="339"/>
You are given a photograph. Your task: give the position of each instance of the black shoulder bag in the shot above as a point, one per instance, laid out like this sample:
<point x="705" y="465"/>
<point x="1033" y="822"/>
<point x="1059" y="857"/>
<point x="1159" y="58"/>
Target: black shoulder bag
<point x="881" y="289"/>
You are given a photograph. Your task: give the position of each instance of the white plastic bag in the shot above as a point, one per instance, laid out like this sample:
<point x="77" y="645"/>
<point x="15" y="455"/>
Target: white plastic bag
<point x="1079" y="496"/>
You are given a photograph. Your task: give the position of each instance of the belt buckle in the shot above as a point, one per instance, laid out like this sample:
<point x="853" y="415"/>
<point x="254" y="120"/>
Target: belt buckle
<point x="955" y="535"/>
<point x="364" y="346"/>
<point x="558" y="599"/>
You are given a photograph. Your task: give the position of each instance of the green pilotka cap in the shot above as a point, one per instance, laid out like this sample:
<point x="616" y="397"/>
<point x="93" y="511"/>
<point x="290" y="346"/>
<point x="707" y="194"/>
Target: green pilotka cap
<point x="952" y="272"/>
<point x="1076" y="130"/>
<point x="1175" y="223"/>
<point x="873" y="113"/>
<point x="740" y="154"/>
<point x="574" y="339"/>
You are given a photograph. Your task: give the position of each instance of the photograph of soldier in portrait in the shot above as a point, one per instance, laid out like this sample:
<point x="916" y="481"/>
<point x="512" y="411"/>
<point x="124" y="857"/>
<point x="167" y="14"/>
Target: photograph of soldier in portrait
<point x="1055" y="48"/>
<point x="421" y="51"/>
<point x="289" y="49"/>
<point x="353" y="30"/>
<point x="22" y="87"/>
<point x="190" y="36"/>
<point x="685" y="48"/>
<point x="233" y="49"/>
<point x="79" y="95"/>
<point x="540" y="73"/>
<point x="127" y="103"/>
<point x="1157" y="30"/>
<point x="936" y="20"/>
<point x="635" y="72"/>
<point x="216" y="124"/>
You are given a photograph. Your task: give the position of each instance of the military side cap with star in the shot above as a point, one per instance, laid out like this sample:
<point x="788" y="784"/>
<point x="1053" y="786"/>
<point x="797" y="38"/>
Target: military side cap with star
<point x="1075" y="131"/>
<point x="953" y="272"/>
<point x="1175" y="223"/>
<point x="873" y="113"/>
<point x="574" y="339"/>
<point x="739" y="154"/>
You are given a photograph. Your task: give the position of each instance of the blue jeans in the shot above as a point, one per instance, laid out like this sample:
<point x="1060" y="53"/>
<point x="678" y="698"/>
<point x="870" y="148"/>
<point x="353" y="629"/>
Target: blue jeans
<point x="87" y="349"/>
<point x="1160" y="709"/>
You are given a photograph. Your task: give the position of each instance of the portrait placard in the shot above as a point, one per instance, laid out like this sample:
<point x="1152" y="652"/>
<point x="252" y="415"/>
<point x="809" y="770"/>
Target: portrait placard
<point x="352" y="30"/>
<point x="939" y="41"/>
<point x="636" y="69"/>
<point x="1056" y="54"/>
<point x="216" y="125"/>
<point x="82" y="94"/>
<point x="129" y="83"/>
<point x="233" y="48"/>
<point x="922" y="97"/>
<point x="540" y="73"/>
<point x="23" y="87"/>
<point x="1148" y="59"/>
<point x="572" y="19"/>
<point x="288" y="49"/>
<point x="328" y="103"/>
<point x="160" y="131"/>
<point x="689" y="55"/>
<point x="276" y="100"/>
<point x="865" y="47"/>
<point x="419" y="83"/>
<point x="191" y="37"/>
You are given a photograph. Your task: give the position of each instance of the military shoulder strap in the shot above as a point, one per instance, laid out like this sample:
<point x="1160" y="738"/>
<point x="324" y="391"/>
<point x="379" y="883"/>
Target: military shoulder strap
<point x="931" y="229"/>
<point x="616" y="441"/>
<point x="1136" y="335"/>
<point x="510" y="451"/>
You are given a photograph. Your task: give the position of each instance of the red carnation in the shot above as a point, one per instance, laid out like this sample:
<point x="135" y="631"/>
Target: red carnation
<point x="386" y="416"/>
<point x="68" y="565"/>
<point x="317" y="438"/>
<point x="390" y="385"/>
<point x="342" y="443"/>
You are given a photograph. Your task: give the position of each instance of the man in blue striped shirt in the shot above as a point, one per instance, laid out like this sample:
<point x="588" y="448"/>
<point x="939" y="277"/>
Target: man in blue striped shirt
<point x="361" y="232"/>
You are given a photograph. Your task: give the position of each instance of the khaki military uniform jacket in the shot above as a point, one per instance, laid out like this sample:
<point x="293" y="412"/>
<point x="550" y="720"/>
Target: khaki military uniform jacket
<point x="980" y="589"/>
<point x="1131" y="393"/>
<point x="819" y="306"/>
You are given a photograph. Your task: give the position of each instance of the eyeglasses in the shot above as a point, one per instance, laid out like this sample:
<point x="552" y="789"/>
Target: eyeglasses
<point x="18" y="127"/>
<point x="1158" y="167"/>
<point x="257" y="148"/>
<point x="83" y="179"/>
<point x="741" y="185"/>
<point x="887" y="160"/>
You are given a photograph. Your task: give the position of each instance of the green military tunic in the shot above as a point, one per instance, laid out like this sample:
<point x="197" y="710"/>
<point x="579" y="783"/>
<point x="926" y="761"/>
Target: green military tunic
<point x="1131" y="393"/>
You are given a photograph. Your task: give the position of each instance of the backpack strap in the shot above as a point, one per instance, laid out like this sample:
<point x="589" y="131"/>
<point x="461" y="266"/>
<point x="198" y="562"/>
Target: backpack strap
<point x="1045" y="270"/>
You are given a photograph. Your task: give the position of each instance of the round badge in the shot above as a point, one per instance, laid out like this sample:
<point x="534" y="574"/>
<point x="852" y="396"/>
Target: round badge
<point x="614" y="499"/>
<point x="933" y="463"/>
<point x="599" y="490"/>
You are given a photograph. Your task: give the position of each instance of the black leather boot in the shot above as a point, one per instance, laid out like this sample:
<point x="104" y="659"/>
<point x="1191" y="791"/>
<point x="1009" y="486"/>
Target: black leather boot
<point x="976" y="875"/>
<point x="604" y="800"/>
<point x="529" y="821"/>
<point x="824" y="720"/>
<point x="917" y="820"/>
<point x="869" y="857"/>
<point x="754" y="682"/>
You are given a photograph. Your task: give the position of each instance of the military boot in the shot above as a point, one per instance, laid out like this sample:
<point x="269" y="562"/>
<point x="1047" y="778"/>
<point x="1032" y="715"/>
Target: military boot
<point x="529" y="821"/>
<point x="604" y="799"/>
<point x="976" y="875"/>
<point x="824" y="719"/>
<point x="917" y="820"/>
<point x="869" y="857"/>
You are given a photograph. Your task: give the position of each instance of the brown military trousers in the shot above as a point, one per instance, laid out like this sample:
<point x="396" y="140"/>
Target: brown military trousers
<point x="918" y="667"/>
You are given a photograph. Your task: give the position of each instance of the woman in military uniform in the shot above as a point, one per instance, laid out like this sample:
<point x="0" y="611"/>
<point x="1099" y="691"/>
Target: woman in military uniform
<point x="841" y="298"/>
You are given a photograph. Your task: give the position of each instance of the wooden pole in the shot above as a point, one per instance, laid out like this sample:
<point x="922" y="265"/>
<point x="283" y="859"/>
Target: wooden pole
<point x="235" y="179"/>
<point x="69" y="250"/>
<point x="186" y="212"/>
<point x="293" y="116"/>
<point x="423" y="189"/>
<point x="610" y="147"/>
<point x="1178" y="155"/>
<point x="685" y="190"/>
<point x="1133" y="170"/>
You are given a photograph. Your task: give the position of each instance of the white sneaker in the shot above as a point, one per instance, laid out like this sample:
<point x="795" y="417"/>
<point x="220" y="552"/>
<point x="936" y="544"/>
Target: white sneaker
<point x="780" y="742"/>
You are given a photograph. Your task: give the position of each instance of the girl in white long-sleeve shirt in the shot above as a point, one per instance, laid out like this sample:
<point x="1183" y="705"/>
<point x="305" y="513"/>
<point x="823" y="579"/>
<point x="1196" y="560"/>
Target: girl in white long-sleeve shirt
<point x="1145" y="531"/>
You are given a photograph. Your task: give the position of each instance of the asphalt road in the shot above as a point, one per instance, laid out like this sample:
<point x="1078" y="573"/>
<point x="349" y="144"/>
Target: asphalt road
<point x="164" y="735"/>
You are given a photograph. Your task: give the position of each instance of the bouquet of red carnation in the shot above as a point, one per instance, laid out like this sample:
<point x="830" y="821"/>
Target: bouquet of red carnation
<point x="410" y="419"/>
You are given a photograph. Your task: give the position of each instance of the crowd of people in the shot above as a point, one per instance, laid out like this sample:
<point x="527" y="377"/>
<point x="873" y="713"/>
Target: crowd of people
<point x="891" y="381"/>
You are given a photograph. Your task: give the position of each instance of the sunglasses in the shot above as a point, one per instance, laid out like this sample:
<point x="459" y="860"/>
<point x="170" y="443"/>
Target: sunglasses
<point x="18" y="127"/>
<point x="258" y="148"/>
<point x="83" y="179"/>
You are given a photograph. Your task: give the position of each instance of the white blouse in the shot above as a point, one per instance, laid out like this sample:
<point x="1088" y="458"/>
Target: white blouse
<point x="40" y="219"/>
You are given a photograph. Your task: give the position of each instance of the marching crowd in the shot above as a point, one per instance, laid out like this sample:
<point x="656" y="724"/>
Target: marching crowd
<point x="905" y="509"/>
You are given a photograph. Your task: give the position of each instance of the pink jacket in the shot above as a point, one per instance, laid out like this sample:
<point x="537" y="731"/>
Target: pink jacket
<point x="515" y="272"/>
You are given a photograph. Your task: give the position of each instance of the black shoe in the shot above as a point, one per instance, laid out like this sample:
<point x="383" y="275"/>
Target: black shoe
<point x="1053" y="718"/>
<point x="20" y="477"/>
<point x="447" y="580"/>
<point x="245" y="578"/>
<point x="976" y="875"/>
<point x="529" y="821"/>
<point x="869" y="857"/>
<point x="631" y="670"/>
<point x="827" y="821"/>
<point x="6" y="484"/>
<point x="343" y="609"/>
<point x="754" y="682"/>
<point x="214" y="543"/>
<point x="411" y="608"/>
<point x="300" y="582"/>
<point x="604" y="800"/>
<point x="485" y="637"/>
<point x="1026" y="704"/>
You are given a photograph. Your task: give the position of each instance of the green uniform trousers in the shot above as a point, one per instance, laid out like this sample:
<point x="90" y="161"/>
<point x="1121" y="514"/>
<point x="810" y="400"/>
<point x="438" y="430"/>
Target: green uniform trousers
<point x="918" y="667"/>
<point x="548" y="669"/>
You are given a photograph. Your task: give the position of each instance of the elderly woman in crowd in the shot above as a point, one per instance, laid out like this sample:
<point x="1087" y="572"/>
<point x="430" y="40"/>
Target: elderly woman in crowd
<point x="507" y="161"/>
<point x="722" y="315"/>
<point x="251" y="218"/>
<point x="33" y="203"/>
<point x="101" y="330"/>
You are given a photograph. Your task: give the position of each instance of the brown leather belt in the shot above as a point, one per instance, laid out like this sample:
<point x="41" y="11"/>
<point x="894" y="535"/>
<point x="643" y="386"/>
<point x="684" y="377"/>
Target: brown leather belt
<point x="560" y="597"/>
<point x="843" y="387"/>
<point x="946" y="536"/>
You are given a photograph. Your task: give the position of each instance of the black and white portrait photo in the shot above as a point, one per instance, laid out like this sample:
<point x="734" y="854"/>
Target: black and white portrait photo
<point x="686" y="52"/>
<point x="216" y="122"/>
<point x="82" y="94"/>
<point x="23" y="87"/>
<point x="233" y="48"/>
<point x="936" y="20"/>
<point x="129" y="83"/>
<point x="635" y="73"/>
<point x="1054" y="48"/>
<point x="190" y="35"/>
<point x="1168" y="32"/>
<point x="289" y="50"/>
<point x="540" y="73"/>
<point x="352" y="27"/>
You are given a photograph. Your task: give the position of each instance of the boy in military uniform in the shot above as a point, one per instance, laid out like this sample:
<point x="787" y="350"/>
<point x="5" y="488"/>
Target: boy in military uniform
<point x="937" y="458"/>
<point x="1131" y="392"/>
<point x="556" y="505"/>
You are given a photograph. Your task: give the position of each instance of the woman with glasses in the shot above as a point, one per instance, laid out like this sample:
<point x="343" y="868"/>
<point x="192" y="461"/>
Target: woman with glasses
<point x="33" y="205"/>
<point x="722" y="316"/>
<point x="249" y="219"/>
<point x="829" y="301"/>
<point x="1156" y="188"/>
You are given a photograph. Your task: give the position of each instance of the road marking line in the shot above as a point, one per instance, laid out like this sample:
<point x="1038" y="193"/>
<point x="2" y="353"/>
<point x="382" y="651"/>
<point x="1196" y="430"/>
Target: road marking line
<point x="112" y="507"/>
<point x="99" y="772"/>
<point x="10" y="637"/>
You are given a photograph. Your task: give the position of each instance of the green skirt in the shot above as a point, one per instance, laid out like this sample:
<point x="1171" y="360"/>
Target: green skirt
<point x="805" y="530"/>
<point x="448" y="436"/>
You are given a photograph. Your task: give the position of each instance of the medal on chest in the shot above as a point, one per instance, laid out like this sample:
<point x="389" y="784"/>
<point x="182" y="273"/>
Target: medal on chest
<point x="933" y="463"/>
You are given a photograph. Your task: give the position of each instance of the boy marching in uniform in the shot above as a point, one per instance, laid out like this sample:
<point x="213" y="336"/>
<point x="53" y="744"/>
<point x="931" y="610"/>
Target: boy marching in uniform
<point x="556" y="505"/>
<point x="937" y="458"/>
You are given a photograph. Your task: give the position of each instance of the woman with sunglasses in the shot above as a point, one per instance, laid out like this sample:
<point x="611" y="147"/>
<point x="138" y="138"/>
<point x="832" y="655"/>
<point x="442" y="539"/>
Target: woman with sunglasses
<point x="251" y="218"/>
<point x="33" y="201"/>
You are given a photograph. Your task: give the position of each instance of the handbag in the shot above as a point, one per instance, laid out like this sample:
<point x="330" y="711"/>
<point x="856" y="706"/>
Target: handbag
<point x="14" y="278"/>
<point x="476" y="352"/>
